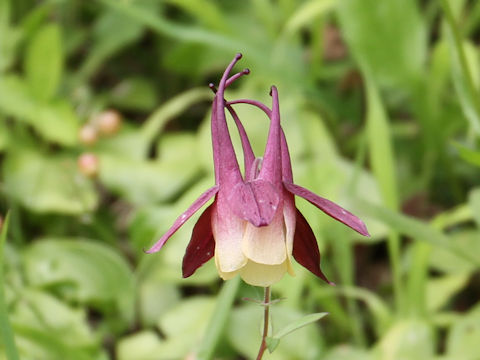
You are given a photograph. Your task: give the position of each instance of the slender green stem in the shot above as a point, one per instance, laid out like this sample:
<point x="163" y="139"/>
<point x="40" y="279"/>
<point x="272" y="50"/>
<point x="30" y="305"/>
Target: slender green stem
<point x="266" y="315"/>
<point x="457" y="39"/>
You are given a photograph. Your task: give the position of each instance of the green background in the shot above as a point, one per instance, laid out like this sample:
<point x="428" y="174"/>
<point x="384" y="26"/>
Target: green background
<point x="380" y="103"/>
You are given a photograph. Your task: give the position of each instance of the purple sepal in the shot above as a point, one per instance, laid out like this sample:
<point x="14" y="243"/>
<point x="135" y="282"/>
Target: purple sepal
<point x="197" y="204"/>
<point x="329" y="208"/>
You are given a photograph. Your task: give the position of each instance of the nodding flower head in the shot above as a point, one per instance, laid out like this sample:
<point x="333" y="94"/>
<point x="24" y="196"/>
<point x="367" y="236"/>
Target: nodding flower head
<point x="253" y="227"/>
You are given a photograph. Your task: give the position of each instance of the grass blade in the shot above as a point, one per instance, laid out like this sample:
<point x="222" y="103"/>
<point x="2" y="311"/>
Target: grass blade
<point x="219" y="319"/>
<point x="5" y="328"/>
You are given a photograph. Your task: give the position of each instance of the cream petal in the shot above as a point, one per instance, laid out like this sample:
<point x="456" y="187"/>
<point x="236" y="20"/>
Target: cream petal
<point x="263" y="275"/>
<point x="266" y="244"/>
<point x="225" y="275"/>
<point x="228" y="232"/>
<point x="289" y="214"/>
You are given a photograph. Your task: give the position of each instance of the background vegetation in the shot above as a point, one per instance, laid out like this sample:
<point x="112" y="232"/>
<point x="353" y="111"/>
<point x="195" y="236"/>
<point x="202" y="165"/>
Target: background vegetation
<point x="381" y="107"/>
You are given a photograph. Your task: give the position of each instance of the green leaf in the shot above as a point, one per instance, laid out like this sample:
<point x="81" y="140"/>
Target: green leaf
<point x="9" y="36"/>
<point x="381" y="313"/>
<point x="160" y="25"/>
<point x="474" y="202"/>
<point x="297" y="324"/>
<point x="3" y="135"/>
<point x="386" y="37"/>
<point x="274" y="341"/>
<point x="40" y="332"/>
<point x="111" y="33"/>
<point x="441" y="290"/>
<point x="465" y="67"/>
<point x="471" y="156"/>
<point x="419" y="231"/>
<point x="307" y="13"/>
<point x="184" y="325"/>
<point x="44" y="62"/>
<point x="56" y="121"/>
<point x="462" y="342"/>
<point x="452" y="262"/>
<point x="407" y="339"/>
<point x="83" y="271"/>
<point x="6" y="333"/>
<point x="48" y="184"/>
<point x="146" y="182"/>
<point x="135" y="93"/>
<point x="245" y="336"/>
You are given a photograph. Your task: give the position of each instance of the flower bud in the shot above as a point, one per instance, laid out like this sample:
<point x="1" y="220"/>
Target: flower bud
<point x="88" y="164"/>
<point x="108" y="122"/>
<point x="88" y="134"/>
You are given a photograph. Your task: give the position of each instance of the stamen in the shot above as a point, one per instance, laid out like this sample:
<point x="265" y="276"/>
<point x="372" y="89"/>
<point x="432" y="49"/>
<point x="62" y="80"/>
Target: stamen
<point x="258" y="104"/>
<point x="213" y="87"/>
<point x="236" y="76"/>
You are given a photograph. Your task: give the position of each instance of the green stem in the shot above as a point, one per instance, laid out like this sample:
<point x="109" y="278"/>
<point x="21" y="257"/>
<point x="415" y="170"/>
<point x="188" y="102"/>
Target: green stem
<point x="6" y="332"/>
<point x="266" y="315"/>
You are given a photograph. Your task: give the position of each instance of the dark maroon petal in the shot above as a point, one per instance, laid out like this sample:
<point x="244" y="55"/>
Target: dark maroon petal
<point x="201" y="247"/>
<point x="197" y="204"/>
<point x="305" y="248"/>
<point x="255" y="201"/>
<point x="329" y="208"/>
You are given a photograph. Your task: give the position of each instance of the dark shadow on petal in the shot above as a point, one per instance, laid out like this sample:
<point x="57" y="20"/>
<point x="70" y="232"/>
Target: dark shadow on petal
<point x="201" y="247"/>
<point x="305" y="248"/>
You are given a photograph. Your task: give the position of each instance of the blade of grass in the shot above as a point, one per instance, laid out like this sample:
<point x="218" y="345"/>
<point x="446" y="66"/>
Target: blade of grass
<point x="472" y="114"/>
<point x="382" y="162"/>
<point x="217" y="322"/>
<point x="191" y="34"/>
<point x="5" y="328"/>
<point x="413" y="228"/>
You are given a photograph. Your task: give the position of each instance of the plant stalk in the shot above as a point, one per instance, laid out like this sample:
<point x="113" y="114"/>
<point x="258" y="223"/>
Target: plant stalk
<point x="266" y="315"/>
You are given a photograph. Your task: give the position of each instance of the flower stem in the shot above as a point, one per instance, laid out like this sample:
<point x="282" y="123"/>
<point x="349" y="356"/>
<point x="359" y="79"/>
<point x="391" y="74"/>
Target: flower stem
<point x="266" y="315"/>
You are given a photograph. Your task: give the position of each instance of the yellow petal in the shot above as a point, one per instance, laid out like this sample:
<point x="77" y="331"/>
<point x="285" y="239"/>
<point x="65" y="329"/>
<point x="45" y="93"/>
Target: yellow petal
<point x="228" y="232"/>
<point x="262" y="275"/>
<point x="266" y="244"/>
<point x="225" y="275"/>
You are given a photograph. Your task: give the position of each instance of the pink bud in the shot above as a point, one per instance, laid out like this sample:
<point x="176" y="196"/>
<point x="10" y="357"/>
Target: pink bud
<point x="108" y="122"/>
<point x="88" y="164"/>
<point x="88" y="134"/>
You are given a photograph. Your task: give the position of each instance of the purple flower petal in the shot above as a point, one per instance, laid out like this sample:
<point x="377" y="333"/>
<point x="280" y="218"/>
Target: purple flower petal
<point x="272" y="160"/>
<point x="197" y="204"/>
<point x="201" y="247"/>
<point x="227" y="171"/>
<point x="305" y="248"/>
<point x="329" y="208"/>
<point x="255" y="201"/>
<point x="248" y="156"/>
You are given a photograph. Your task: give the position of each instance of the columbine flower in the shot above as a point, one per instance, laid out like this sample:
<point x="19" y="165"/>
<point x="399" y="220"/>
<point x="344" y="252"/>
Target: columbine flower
<point x="253" y="227"/>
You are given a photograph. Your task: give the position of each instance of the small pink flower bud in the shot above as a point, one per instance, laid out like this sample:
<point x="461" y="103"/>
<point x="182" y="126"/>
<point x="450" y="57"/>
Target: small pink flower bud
<point x="108" y="122"/>
<point x="88" y="134"/>
<point x="88" y="164"/>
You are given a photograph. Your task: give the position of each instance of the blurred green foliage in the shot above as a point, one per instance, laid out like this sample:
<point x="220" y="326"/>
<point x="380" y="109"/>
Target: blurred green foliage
<point x="380" y="103"/>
